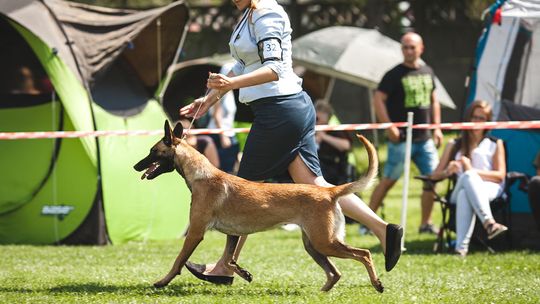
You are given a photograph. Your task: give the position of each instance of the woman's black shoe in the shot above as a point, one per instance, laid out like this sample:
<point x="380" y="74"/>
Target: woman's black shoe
<point x="394" y="233"/>
<point x="198" y="271"/>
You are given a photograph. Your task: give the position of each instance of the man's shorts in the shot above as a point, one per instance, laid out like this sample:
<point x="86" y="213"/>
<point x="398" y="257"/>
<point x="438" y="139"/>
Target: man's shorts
<point x="423" y="153"/>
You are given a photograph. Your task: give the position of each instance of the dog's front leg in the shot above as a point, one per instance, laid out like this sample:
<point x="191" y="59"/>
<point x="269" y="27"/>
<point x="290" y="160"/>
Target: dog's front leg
<point x="193" y="238"/>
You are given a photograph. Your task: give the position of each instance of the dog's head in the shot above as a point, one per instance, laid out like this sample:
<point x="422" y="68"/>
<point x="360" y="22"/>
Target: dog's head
<point x="161" y="157"/>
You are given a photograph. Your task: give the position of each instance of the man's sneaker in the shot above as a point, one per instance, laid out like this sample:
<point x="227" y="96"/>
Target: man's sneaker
<point x="363" y="230"/>
<point x="428" y="228"/>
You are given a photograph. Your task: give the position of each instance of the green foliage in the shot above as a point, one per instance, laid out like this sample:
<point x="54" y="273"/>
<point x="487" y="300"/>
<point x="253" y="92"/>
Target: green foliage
<point x="447" y="11"/>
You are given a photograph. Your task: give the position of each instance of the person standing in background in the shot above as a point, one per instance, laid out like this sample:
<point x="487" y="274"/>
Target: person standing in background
<point x="222" y="117"/>
<point x="408" y="87"/>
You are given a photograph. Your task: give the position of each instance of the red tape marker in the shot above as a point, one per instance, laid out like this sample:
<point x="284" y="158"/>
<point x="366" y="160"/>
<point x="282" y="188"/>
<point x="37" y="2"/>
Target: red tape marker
<point x="533" y="124"/>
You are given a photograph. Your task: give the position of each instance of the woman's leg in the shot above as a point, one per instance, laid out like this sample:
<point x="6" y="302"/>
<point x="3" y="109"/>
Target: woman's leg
<point x="472" y="198"/>
<point x="478" y="195"/>
<point x="351" y="204"/>
<point x="465" y="220"/>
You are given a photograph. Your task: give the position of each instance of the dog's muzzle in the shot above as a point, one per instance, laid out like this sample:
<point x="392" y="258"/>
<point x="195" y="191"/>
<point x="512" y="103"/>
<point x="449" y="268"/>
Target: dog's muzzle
<point x="153" y="168"/>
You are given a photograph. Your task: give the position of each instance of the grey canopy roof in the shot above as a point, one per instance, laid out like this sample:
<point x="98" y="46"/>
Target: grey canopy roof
<point x="360" y="56"/>
<point x="522" y="8"/>
<point x="97" y="36"/>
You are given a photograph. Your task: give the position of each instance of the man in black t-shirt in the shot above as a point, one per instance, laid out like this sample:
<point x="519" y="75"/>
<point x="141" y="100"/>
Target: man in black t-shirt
<point x="409" y="87"/>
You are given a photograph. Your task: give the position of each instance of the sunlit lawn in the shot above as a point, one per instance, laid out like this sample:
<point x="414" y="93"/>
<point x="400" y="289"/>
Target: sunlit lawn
<point x="283" y="271"/>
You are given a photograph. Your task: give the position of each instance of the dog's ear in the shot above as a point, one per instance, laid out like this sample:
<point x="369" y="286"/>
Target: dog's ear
<point x="167" y="139"/>
<point x="178" y="130"/>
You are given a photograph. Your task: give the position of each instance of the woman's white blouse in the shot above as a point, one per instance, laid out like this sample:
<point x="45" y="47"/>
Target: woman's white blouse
<point x="264" y="39"/>
<point x="482" y="159"/>
<point x="482" y="155"/>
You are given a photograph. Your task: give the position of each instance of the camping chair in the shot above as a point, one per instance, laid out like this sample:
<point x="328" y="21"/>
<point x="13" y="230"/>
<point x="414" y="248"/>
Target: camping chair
<point x="499" y="206"/>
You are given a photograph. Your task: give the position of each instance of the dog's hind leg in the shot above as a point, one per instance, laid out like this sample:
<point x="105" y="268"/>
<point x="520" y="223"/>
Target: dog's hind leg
<point x="332" y="274"/>
<point x="230" y="248"/>
<point x="341" y="250"/>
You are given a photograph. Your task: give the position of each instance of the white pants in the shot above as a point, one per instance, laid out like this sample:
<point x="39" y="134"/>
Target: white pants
<point x="471" y="196"/>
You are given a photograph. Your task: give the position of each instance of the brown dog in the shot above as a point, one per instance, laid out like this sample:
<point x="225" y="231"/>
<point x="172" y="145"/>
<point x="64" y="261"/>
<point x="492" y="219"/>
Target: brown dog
<point x="237" y="207"/>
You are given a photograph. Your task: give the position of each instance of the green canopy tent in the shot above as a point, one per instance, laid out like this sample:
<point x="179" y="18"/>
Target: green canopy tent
<point x="93" y="69"/>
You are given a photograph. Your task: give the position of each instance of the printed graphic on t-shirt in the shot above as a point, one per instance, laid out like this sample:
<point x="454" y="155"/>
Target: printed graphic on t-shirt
<point x="417" y="90"/>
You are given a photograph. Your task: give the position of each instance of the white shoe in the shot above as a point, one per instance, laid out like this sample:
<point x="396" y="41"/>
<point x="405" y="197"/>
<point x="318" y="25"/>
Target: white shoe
<point x="290" y="227"/>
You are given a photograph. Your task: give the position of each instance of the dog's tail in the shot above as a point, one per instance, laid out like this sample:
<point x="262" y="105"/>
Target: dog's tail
<point x="366" y="180"/>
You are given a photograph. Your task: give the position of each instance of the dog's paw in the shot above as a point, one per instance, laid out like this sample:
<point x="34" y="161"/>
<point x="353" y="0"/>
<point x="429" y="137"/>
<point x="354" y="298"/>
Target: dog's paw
<point x="244" y="274"/>
<point x="161" y="283"/>
<point x="378" y="286"/>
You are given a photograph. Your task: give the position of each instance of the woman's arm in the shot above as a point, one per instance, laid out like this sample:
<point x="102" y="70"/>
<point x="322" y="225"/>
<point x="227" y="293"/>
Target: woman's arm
<point x="201" y="105"/>
<point x="498" y="173"/>
<point x="225" y="83"/>
<point x="442" y="172"/>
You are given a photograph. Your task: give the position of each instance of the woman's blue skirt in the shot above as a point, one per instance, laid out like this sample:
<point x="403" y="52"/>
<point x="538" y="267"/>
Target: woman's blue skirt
<point x="283" y="127"/>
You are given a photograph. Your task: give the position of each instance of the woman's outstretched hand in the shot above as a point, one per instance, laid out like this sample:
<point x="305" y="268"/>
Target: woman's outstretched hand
<point x="219" y="84"/>
<point x="192" y="109"/>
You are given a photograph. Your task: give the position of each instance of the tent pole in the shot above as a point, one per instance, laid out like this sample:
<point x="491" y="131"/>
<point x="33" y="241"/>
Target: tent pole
<point x="163" y="87"/>
<point x="54" y="176"/>
<point x="329" y="89"/>
<point x="406" y="174"/>
<point x="158" y="48"/>
<point x="373" y="118"/>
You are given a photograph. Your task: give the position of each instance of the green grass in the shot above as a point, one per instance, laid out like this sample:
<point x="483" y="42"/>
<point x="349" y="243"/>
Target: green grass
<point x="283" y="272"/>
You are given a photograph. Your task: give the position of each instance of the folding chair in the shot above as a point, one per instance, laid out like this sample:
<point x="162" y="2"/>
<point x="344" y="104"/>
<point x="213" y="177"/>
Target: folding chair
<point x="499" y="206"/>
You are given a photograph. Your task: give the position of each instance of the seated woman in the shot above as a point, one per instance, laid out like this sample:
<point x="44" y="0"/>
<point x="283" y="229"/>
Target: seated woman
<point x="479" y="162"/>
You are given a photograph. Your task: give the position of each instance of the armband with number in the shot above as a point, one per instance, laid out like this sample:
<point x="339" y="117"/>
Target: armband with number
<point x="270" y="50"/>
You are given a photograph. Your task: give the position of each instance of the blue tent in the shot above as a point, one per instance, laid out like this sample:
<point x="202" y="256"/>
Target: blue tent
<point x="506" y="73"/>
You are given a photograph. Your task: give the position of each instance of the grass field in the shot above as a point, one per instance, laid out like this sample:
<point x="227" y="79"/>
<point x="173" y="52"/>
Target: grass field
<point x="283" y="272"/>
